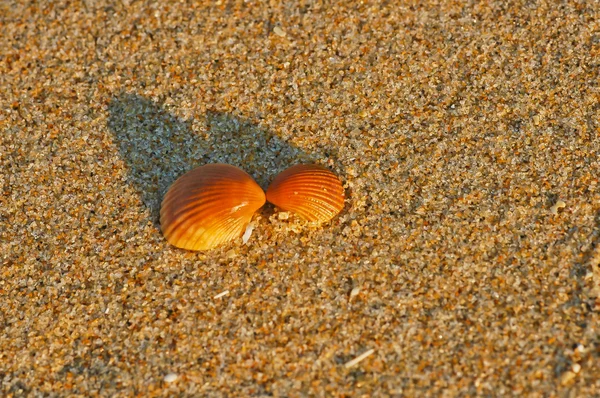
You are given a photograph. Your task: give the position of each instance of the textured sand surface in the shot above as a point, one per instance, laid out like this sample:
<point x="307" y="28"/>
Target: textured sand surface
<point x="466" y="259"/>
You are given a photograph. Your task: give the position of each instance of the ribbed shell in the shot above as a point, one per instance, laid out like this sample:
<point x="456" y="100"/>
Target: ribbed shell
<point x="208" y="206"/>
<point x="312" y="192"/>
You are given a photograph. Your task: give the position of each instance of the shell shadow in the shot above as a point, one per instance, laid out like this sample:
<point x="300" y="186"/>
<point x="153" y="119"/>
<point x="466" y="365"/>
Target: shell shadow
<point x="158" y="147"/>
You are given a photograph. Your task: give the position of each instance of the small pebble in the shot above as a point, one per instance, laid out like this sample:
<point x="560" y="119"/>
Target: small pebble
<point x="279" y="32"/>
<point x="567" y="378"/>
<point x="559" y="205"/>
<point x="284" y="215"/>
<point x="231" y="254"/>
<point x="170" y="378"/>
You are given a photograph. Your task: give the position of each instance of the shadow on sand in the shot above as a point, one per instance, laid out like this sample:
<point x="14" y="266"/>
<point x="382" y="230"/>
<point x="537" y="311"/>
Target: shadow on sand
<point x="159" y="147"/>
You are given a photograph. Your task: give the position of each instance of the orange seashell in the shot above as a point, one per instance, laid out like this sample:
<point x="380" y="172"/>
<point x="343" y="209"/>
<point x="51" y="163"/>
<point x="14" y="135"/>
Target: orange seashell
<point x="208" y="206"/>
<point x="312" y="192"/>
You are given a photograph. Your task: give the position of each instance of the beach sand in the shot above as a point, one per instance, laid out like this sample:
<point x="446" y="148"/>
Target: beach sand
<point x="466" y="261"/>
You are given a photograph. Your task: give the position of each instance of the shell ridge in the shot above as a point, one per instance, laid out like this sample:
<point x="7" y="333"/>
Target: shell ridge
<point x="316" y="198"/>
<point x="311" y="191"/>
<point x="222" y="234"/>
<point x="208" y="206"/>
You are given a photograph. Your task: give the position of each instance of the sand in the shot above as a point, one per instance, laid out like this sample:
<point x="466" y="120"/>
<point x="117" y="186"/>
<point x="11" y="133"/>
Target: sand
<point x="465" y="263"/>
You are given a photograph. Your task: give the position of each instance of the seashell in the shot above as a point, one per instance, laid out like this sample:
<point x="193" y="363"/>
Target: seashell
<point x="208" y="206"/>
<point x="312" y="192"/>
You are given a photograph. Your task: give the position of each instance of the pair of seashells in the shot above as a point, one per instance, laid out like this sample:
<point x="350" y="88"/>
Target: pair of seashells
<point x="213" y="204"/>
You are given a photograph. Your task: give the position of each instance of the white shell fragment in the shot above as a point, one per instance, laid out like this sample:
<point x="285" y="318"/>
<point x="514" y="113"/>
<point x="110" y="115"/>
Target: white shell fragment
<point x="247" y="233"/>
<point x="359" y="358"/>
<point x="222" y="294"/>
